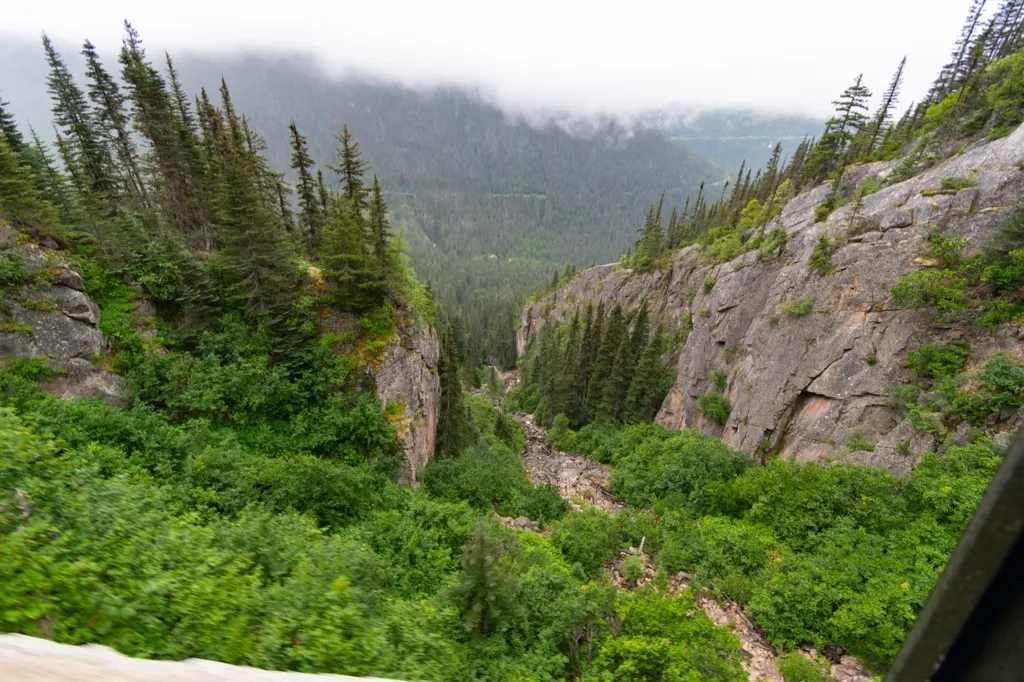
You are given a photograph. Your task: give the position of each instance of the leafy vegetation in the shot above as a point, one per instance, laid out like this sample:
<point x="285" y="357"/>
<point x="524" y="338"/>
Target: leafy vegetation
<point x="715" y="407"/>
<point x="818" y="554"/>
<point x="821" y="257"/>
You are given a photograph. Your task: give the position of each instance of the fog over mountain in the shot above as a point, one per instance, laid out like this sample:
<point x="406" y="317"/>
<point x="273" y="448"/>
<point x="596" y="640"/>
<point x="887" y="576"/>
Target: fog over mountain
<point x="585" y="57"/>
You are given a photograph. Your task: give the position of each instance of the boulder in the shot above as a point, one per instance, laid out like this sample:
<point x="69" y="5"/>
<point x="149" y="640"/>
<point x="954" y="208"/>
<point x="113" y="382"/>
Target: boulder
<point x="78" y="378"/>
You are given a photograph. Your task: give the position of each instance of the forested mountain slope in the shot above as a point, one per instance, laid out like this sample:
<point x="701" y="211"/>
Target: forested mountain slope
<point x="491" y="203"/>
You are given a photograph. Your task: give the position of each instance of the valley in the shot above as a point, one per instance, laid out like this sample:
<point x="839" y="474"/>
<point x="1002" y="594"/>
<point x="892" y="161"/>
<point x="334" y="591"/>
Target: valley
<point x="344" y="377"/>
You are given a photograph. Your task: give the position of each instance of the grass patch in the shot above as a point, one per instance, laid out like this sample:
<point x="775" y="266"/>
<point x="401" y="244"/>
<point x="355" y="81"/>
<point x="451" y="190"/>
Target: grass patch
<point x="798" y="307"/>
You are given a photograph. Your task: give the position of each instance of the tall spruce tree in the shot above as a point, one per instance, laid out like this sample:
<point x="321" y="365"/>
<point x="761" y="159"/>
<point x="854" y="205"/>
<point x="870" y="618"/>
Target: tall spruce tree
<point x="643" y="397"/>
<point x="109" y="106"/>
<point x="453" y="426"/>
<point x="52" y="184"/>
<point x="171" y="178"/>
<point x="85" y="147"/>
<point x="321" y="191"/>
<point x="611" y="339"/>
<point x="310" y="205"/>
<point x="487" y="592"/>
<point x="832" y="149"/>
<point x="251" y="237"/>
<point x="350" y="169"/>
<point x="954" y="72"/>
<point x="616" y="386"/>
<point x="9" y="130"/>
<point x="883" y="117"/>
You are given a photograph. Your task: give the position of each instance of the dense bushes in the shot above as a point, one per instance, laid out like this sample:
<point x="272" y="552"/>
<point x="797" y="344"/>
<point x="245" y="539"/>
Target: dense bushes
<point x="819" y="555"/>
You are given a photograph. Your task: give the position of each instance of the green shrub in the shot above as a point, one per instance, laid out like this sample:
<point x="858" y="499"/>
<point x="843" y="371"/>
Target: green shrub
<point x="869" y="186"/>
<point x="941" y="289"/>
<point x="719" y="379"/>
<point x="798" y="668"/>
<point x="821" y="257"/>
<point x="947" y="250"/>
<point x="934" y="361"/>
<point x="769" y="245"/>
<point x="559" y="433"/>
<point x="633" y="569"/>
<point x="12" y="269"/>
<point x="598" y="441"/>
<point x="488" y="473"/>
<point x="668" y="639"/>
<point x="588" y="538"/>
<point x="709" y="284"/>
<point x="542" y="503"/>
<point x="678" y="467"/>
<point x="856" y="443"/>
<point x="715" y="407"/>
<point x="798" y="307"/>
<point x="1005" y="97"/>
<point x="724" y="248"/>
<point x="958" y="183"/>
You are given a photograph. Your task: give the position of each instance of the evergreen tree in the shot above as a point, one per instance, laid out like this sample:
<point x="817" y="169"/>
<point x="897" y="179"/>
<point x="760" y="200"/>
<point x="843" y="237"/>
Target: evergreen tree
<point x="108" y="103"/>
<point x="954" y="73"/>
<point x="154" y="119"/>
<point x="9" y="130"/>
<point x="321" y="191"/>
<point x="379" y="228"/>
<point x="350" y="169"/>
<point x="883" y="117"/>
<point x="588" y="360"/>
<point x="52" y="184"/>
<point x="644" y="395"/>
<point x="771" y="173"/>
<point x="1005" y="30"/>
<point x="453" y="427"/>
<point x="651" y="239"/>
<point x="84" y="147"/>
<point x="20" y="201"/>
<point x="616" y="386"/>
<point x="641" y="327"/>
<point x="311" y="207"/>
<point x="831" y="151"/>
<point x="611" y="339"/>
<point x="566" y="396"/>
<point x="487" y="592"/>
<point x="251" y="238"/>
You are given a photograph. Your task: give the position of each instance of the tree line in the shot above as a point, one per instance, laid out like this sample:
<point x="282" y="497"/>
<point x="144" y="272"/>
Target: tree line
<point x="601" y="367"/>
<point x="977" y="91"/>
<point x="179" y="192"/>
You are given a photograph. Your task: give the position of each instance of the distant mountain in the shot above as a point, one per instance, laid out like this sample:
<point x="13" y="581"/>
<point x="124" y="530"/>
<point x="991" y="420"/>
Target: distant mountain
<point x="490" y="201"/>
<point x="730" y="136"/>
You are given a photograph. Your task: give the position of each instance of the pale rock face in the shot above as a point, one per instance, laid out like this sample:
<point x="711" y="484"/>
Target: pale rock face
<point x="65" y="331"/>
<point x="408" y="377"/>
<point x="803" y="385"/>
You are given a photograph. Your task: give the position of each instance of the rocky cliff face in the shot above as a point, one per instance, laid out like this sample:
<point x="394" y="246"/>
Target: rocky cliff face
<point x="47" y="315"/>
<point x="408" y="377"/>
<point x="802" y="385"/>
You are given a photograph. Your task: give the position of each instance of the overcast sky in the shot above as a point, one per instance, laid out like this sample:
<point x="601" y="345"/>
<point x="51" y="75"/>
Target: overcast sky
<point x="584" y="56"/>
